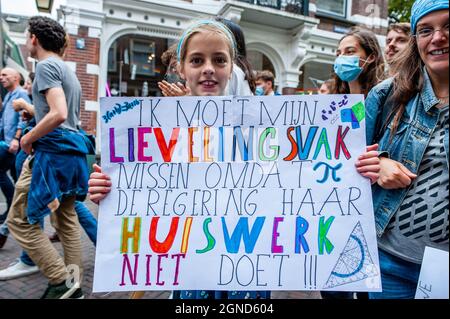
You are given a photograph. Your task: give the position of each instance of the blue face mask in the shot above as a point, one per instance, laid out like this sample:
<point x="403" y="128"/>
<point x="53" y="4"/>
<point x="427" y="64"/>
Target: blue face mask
<point x="347" y="67"/>
<point x="259" y="90"/>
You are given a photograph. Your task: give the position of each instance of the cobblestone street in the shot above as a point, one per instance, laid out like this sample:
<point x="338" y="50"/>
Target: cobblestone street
<point x="33" y="286"/>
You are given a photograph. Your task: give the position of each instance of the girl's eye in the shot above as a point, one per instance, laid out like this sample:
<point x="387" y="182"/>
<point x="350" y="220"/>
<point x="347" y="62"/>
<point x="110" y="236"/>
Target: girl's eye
<point x="221" y="60"/>
<point x="196" y="60"/>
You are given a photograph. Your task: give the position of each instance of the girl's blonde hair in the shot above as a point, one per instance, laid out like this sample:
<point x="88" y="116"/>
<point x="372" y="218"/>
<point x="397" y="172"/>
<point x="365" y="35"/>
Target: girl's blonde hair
<point x="202" y="26"/>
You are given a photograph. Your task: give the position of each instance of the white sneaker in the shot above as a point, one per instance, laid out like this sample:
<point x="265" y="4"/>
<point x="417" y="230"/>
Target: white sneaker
<point x="17" y="269"/>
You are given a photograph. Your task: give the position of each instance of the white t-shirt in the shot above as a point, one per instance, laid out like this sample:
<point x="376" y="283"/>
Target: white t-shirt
<point x="238" y="85"/>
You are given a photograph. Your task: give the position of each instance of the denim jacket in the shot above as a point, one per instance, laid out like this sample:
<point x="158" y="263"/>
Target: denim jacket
<point x="408" y="144"/>
<point x="10" y="120"/>
<point x="59" y="169"/>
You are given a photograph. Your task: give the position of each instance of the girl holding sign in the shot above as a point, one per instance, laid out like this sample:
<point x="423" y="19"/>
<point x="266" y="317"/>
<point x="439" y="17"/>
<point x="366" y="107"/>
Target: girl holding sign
<point x="205" y="54"/>
<point x="359" y="66"/>
<point x="408" y="116"/>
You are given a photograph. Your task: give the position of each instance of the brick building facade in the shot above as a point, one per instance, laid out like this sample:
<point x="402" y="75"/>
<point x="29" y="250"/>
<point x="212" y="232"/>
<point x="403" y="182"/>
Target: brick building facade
<point x="84" y="61"/>
<point x="300" y="48"/>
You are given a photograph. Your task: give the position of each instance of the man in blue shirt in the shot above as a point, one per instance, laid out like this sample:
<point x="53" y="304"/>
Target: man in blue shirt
<point x="10" y="131"/>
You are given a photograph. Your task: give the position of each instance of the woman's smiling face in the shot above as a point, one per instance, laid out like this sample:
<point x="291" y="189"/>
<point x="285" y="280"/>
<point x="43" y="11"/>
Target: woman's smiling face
<point x="432" y="41"/>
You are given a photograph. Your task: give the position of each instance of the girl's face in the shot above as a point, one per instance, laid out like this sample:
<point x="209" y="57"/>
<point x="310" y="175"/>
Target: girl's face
<point x="207" y="66"/>
<point x="432" y="41"/>
<point x="350" y="46"/>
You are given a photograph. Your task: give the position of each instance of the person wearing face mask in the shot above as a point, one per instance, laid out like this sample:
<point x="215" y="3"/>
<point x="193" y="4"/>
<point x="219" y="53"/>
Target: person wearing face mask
<point x="265" y="83"/>
<point x="359" y="65"/>
<point x="169" y="60"/>
<point x="173" y="84"/>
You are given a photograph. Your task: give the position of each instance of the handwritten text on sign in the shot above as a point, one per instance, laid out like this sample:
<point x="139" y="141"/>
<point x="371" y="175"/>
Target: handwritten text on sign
<point x="235" y="193"/>
<point x="433" y="279"/>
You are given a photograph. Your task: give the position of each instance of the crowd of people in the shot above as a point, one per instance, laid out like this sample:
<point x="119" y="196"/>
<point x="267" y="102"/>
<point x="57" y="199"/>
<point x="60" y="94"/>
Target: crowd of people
<point x="407" y="107"/>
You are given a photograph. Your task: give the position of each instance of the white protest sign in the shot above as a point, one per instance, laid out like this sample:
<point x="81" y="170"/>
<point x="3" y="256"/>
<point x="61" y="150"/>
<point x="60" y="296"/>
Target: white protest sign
<point x="433" y="278"/>
<point x="235" y="193"/>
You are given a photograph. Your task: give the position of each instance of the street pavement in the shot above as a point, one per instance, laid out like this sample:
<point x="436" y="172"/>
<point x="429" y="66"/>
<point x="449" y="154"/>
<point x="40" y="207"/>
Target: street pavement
<point x="33" y="286"/>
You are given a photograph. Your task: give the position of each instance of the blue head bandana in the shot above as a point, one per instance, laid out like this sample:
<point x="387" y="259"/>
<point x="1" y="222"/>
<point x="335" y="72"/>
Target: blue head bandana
<point x="421" y="8"/>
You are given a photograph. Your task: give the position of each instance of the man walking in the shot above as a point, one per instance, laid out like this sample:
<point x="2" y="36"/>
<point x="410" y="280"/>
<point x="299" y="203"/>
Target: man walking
<point x="56" y="174"/>
<point x="10" y="131"/>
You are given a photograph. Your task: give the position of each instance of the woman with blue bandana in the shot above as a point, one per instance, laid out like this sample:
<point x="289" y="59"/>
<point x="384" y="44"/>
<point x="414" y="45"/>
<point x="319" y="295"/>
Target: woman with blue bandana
<point x="408" y="116"/>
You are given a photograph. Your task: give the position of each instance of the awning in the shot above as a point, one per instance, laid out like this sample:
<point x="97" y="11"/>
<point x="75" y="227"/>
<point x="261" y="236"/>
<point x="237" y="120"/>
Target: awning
<point x="12" y="50"/>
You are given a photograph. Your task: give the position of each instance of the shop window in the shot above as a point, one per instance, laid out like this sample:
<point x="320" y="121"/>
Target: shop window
<point x="143" y="56"/>
<point x="112" y="58"/>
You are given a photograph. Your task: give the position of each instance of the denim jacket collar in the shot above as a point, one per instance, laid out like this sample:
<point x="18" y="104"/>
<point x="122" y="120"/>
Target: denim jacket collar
<point x="429" y="99"/>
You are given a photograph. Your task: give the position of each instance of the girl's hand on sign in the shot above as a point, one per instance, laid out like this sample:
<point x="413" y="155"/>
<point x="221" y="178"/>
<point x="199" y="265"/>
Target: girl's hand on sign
<point x="99" y="185"/>
<point x="394" y="175"/>
<point x="368" y="164"/>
